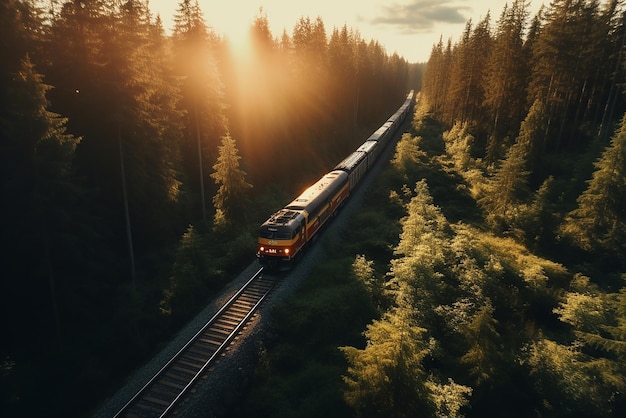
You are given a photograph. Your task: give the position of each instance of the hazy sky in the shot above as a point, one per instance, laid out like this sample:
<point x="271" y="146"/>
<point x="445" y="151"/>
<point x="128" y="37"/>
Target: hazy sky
<point x="408" y="27"/>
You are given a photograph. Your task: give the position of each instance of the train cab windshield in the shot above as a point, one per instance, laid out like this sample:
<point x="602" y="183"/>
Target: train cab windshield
<point x="280" y="233"/>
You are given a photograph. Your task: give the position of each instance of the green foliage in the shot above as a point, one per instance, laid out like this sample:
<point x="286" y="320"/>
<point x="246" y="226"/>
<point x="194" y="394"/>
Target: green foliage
<point x="421" y="247"/>
<point x="539" y="222"/>
<point x="231" y="199"/>
<point x="449" y="399"/>
<point x="203" y="259"/>
<point x="387" y="377"/>
<point x="407" y="156"/>
<point x="584" y="375"/>
<point x="363" y="270"/>
<point x="458" y="142"/>
<point x="532" y="135"/>
<point x="598" y="223"/>
<point x="584" y="312"/>
<point x="231" y="253"/>
<point x="191" y="275"/>
<point x="517" y="88"/>
<point x="570" y="381"/>
<point x="507" y="71"/>
<point x="464" y="305"/>
<point x="506" y="189"/>
<point x="483" y="357"/>
<point x="41" y="243"/>
<point x="326" y="312"/>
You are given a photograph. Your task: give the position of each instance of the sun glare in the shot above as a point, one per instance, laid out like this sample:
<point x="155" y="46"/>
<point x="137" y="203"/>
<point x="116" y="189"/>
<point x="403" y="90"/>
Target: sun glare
<point x="239" y="43"/>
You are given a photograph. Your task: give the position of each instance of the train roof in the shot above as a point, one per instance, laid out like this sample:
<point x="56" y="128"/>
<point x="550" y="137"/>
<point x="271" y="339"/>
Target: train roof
<point x="317" y="194"/>
<point x="349" y="163"/>
<point x="367" y="146"/>
<point x="378" y="133"/>
<point x="284" y="217"/>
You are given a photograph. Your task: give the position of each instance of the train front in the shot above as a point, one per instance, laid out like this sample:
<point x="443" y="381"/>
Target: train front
<point x="280" y="238"/>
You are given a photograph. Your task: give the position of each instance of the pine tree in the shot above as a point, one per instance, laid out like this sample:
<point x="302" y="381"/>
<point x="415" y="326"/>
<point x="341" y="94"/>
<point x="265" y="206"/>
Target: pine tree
<point x="195" y="46"/>
<point x="38" y="192"/>
<point x="190" y="272"/>
<point x="508" y="70"/>
<point x="532" y="137"/>
<point x="112" y="81"/>
<point x="482" y="47"/>
<point x="387" y="378"/>
<point x="342" y="65"/>
<point x="460" y="78"/>
<point x="231" y="200"/>
<point x="509" y="185"/>
<point x="483" y="356"/>
<point x="435" y="77"/>
<point x="585" y="376"/>
<point x="571" y="55"/>
<point x="599" y="221"/>
<point x="507" y="188"/>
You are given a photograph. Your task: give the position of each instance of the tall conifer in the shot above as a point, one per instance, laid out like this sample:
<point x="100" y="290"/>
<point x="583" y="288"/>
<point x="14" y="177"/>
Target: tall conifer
<point x="599" y="221"/>
<point x="202" y="91"/>
<point x="507" y="71"/>
<point x="38" y="192"/>
<point x="231" y="200"/>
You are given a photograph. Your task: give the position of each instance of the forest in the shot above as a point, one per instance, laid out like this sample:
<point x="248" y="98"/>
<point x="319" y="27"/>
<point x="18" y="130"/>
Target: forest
<point x="136" y="166"/>
<point x="484" y="274"/>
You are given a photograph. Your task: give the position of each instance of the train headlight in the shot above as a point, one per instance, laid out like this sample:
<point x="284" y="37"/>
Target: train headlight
<point x="287" y="251"/>
<point x="261" y="249"/>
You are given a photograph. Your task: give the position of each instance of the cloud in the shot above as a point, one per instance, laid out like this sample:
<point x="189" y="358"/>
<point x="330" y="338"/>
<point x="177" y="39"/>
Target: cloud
<point x="418" y="16"/>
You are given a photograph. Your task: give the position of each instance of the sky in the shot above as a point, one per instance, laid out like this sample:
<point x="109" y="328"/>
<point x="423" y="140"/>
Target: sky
<point x="407" y="27"/>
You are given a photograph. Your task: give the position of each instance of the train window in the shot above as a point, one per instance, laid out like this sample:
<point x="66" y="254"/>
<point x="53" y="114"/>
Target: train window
<point x="272" y="233"/>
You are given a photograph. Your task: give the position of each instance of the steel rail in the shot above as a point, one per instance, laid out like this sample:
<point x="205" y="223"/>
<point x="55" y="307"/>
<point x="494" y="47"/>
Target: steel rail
<point x="137" y="397"/>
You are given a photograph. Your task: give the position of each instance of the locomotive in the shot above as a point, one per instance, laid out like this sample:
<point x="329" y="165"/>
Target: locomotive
<point x="284" y="235"/>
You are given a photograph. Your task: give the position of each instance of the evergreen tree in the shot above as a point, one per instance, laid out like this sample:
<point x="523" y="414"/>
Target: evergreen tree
<point x="387" y="378"/>
<point x="420" y="254"/>
<point x="434" y="77"/>
<point x="341" y="61"/>
<point x="585" y="376"/>
<point x="507" y="188"/>
<point x="570" y="383"/>
<point x="111" y="80"/>
<point x="509" y="185"/>
<point x="599" y="221"/>
<point x="483" y="356"/>
<point x="482" y="47"/>
<point x="407" y="156"/>
<point x="458" y="142"/>
<point x="568" y="54"/>
<point x="310" y="47"/>
<point x="231" y="199"/>
<point x="449" y="399"/>
<point x="532" y="137"/>
<point x="195" y="46"/>
<point x="507" y="73"/>
<point x="543" y="216"/>
<point x="38" y="192"/>
<point x="611" y="335"/>
<point x="460" y="78"/>
<point x="191" y="271"/>
<point x="310" y="50"/>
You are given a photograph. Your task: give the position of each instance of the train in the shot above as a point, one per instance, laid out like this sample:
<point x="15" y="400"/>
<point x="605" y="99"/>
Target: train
<point x="284" y="236"/>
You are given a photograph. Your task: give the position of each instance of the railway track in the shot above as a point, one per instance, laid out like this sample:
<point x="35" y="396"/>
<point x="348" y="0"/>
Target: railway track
<point x="162" y="393"/>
